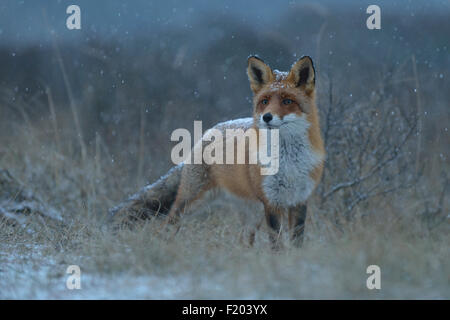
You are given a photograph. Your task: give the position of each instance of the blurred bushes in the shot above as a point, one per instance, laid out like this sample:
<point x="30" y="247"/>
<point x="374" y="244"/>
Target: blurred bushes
<point x="133" y="91"/>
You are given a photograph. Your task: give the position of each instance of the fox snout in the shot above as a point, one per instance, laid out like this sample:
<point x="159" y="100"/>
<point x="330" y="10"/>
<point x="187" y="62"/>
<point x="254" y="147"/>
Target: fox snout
<point x="268" y="120"/>
<point x="271" y="120"/>
<point x="267" y="117"/>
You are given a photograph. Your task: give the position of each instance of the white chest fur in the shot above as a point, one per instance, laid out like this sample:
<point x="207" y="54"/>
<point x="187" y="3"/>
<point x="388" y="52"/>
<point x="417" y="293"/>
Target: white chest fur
<point x="292" y="183"/>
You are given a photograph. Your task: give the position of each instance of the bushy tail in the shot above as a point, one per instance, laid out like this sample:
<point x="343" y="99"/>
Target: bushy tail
<point x="152" y="200"/>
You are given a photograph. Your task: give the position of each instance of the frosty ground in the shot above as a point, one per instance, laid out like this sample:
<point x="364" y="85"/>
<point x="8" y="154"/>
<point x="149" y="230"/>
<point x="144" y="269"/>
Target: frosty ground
<point x="209" y="258"/>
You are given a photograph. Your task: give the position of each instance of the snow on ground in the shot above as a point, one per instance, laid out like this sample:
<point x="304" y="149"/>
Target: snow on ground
<point x="34" y="276"/>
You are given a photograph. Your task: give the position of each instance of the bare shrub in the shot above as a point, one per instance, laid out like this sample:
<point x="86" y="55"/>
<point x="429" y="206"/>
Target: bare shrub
<point x="373" y="153"/>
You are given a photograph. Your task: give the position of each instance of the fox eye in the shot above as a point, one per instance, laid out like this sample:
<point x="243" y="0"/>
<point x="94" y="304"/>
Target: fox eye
<point x="265" y="101"/>
<point x="287" y="101"/>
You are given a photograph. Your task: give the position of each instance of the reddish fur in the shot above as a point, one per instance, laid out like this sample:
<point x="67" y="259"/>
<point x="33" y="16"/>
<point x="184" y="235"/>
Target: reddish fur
<point x="245" y="180"/>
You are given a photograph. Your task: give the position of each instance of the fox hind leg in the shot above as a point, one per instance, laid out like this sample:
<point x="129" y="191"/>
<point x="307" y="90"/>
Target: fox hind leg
<point x="194" y="183"/>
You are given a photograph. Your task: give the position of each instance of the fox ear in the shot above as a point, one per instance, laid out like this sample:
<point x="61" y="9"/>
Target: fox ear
<point x="302" y="74"/>
<point x="259" y="73"/>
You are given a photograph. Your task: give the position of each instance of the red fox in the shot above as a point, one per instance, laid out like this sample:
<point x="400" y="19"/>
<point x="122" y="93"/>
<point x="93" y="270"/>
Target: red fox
<point x="282" y="100"/>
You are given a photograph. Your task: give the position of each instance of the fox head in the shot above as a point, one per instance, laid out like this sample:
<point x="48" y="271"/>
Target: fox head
<point x="282" y="100"/>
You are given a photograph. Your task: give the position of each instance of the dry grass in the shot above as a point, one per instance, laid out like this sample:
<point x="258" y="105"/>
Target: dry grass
<point x="209" y="257"/>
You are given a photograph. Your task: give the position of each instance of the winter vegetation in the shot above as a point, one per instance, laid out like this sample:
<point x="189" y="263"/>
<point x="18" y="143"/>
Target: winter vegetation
<point x="85" y="121"/>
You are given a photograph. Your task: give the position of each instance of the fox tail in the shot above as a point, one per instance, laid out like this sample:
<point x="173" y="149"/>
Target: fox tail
<point x="152" y="200"/>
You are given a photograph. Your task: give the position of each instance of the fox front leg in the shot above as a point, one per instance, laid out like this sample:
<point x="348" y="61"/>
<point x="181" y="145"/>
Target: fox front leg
<point x="273" y="217"/>
<point x="297" y="218"/>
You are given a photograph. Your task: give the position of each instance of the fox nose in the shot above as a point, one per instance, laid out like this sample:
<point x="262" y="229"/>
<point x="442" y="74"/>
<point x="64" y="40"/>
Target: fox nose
<point x="267" y="117"/>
